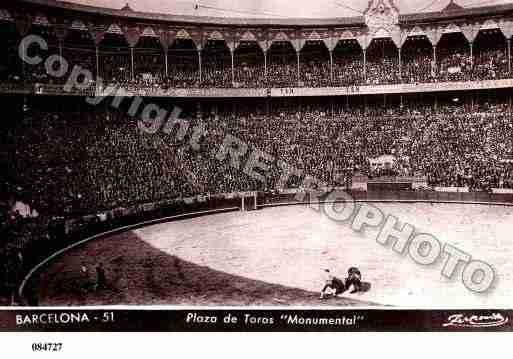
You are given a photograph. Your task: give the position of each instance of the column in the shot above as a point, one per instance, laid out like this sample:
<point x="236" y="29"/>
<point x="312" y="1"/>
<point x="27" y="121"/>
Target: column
<point x="435" y="72"/>
<point x="509" y="55"/>
<point x="265" y="65"/>
<point x="400" y="63"/>
<point x="331" y="65"/>
<point x="132" y="61"/>
<point x="298" y="75"/>
<point x="349" y="179"/>
<point x="233" y="67"/>
<point x="199" y="64"/>
<point x="365" y="64"/>
<point x="22" y="44"/>
<point x="166" y="61"/>
<point x="471" y="53"/>
<point x="97" y="62"/>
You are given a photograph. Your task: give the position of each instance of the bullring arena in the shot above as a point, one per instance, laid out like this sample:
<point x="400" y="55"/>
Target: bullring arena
<point x="275" y="257"/>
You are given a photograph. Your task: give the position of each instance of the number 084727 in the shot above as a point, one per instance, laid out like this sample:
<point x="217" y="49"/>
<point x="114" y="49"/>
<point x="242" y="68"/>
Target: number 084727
<point x="46" y="347"/>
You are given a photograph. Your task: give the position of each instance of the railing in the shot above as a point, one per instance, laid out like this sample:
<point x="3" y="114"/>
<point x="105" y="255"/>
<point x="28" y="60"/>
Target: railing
<point x="57" y="90"/>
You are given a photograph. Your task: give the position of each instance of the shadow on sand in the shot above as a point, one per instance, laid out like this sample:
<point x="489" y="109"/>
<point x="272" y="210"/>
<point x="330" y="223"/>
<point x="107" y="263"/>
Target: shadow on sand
<point x="138" y="274"/>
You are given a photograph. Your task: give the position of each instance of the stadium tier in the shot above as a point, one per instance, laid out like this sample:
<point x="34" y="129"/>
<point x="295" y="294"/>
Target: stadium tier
<point x="75" y="157"/>
<point x="425" y="96"/>
<point x="144" y="51"/>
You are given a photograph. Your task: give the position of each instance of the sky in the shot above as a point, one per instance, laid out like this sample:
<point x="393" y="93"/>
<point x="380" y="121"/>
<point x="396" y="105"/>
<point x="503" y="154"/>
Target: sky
<point x="277" y="8"/>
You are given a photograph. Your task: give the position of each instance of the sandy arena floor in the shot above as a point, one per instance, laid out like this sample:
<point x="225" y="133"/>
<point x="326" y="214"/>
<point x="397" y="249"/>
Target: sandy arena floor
<point x="276" y="256"/>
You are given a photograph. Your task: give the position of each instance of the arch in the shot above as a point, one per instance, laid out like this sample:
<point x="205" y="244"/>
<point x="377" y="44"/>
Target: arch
<point x="348" y="63"/>
<point x="149" y="42"/>
<point x="382" y="47"/>
<point x="489" y="38"/>
<point x="490" y="55"/>
<point x="451" y="42"/>
<point x="47" y="32"/>
<point x="249" y="64"/>
<point x="132" y="35"/>
<point x="382" y="62"/>
<point x="114" y="40"/>
<point x="282" y="64"/>
<point x="149" y="61"/>
<point x="453" y="57"/>
<point x="315" y="63"/>
<point x="189" y="34"/>
<point x="216" y="57"/>
<point x="414" y="42"/>
<point x="318" y="46"/>
<point x="417" y="59"/>
<point x="282" y="50"/>
<point x="114" y="57"/>
<point x="78" y="39"/>
<point x="183" y="63"/>
<point x="78" y="48"/>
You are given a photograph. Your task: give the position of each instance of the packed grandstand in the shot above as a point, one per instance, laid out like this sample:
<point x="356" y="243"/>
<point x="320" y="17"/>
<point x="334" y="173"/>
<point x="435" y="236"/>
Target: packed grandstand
<point x="68" y="159"/>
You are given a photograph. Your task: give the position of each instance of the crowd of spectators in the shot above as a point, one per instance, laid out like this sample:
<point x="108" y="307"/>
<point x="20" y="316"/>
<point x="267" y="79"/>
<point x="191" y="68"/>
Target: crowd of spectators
<point x="84" y="161"/>
<point x="348" y="69"/>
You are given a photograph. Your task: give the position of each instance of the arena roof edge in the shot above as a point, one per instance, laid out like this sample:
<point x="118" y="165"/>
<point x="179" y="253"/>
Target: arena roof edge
<point x="299" y="22"/>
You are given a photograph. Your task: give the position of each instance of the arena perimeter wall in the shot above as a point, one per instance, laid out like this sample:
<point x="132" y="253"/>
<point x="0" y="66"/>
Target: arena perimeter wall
<point x="505" y="199"/>
<point x="76" y="232"/>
